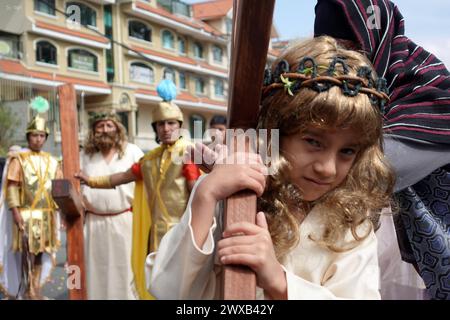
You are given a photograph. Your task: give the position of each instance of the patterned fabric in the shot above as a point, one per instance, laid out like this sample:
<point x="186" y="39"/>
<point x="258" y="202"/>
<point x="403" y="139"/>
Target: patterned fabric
<point x="418" y="82"/>
<point x="425" y="216"/>
<point x="419" y="89"/>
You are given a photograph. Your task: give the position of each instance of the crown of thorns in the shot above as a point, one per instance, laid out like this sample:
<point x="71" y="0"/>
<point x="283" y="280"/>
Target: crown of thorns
<point x="95" y="117"/>
<point x="308" y="76"/>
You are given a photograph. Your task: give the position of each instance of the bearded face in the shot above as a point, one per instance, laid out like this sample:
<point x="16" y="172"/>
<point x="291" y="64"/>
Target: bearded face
<point x="105" y="135"/>
<point x="106" y="140"/>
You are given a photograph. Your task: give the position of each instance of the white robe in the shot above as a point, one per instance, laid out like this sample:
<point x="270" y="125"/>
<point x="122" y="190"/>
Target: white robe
<point x="108" y="239"/>
<point x="399" y="280"/>
<point x="181" y="270"/>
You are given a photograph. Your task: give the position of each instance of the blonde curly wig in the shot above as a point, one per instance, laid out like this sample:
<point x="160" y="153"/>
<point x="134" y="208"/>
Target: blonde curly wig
<point x="369" y="183"/>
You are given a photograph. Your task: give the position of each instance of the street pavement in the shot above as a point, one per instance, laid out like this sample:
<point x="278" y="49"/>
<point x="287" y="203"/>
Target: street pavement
<point x="56" y="288"/>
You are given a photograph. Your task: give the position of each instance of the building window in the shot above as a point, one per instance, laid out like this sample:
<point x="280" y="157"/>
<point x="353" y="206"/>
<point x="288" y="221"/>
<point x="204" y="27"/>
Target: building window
<point x="109" y="65"/>
<point x="141" y="72"/>
<point x="198" y="50"/>
<point x="197" y="126"/>
<point x="217" y="54"/>
<point x="10" y="46"/>
<point x="199" y="86"/>
<point x="182" y="77"/>
<point x="139" y="30"/>
<point x="229" y="25"/>
<point x="46" y="52"/>
<point x="136" y="115"/>
<point x="87" y="14"/>
<point x="218" y="87"/>
<point x="107" y="18"/>
<point x="169" y="74"/>
<point x="45" y="6"/>
<point x="181" y="46"/>
<point x="123" y="116"/>
<point x="82" y="60"/>
<point x="168" y="40"/>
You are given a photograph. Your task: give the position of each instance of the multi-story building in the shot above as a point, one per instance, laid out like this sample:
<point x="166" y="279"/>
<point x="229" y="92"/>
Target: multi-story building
<point x="115" y="52"/>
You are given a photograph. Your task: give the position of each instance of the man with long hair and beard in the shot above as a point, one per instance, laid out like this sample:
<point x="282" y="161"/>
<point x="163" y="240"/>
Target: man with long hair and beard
<point x="108" y="224"/>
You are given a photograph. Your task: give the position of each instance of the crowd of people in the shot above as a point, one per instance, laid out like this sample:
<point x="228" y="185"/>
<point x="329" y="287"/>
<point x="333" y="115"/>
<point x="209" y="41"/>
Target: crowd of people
<point x="357" y="207"/>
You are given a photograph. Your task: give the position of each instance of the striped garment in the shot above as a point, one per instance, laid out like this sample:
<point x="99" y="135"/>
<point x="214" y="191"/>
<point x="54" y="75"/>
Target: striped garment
<point x="418" y="82"/>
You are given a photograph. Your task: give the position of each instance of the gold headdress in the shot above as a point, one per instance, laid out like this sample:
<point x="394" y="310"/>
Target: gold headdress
<point x="38" y="124"/>
<point x="167" y="110"/>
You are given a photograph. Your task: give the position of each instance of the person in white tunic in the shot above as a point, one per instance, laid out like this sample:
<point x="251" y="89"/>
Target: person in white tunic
<point x="109" y="215"/>
<point x="314" y="233"/>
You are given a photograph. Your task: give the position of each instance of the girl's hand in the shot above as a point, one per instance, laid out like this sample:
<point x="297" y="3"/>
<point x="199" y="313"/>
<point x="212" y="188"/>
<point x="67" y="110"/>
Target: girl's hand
<point x="234" y="173"/>
<point x="251" y="245"/>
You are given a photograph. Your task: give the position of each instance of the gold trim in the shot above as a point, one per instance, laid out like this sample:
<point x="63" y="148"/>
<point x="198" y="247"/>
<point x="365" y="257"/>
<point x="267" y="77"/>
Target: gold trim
<point x="13" y="196"/>
<point x="101" y="182"/>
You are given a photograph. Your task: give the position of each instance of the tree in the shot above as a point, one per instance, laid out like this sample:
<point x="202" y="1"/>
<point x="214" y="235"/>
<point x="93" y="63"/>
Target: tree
<point x="8" y="121"/>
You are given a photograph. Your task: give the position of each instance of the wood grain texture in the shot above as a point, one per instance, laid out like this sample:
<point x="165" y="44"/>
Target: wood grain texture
<point x="67" y="199"/>
<point x="71" y="203"/>
<point x="251" y="35"/>
<point x="239" y="283"/>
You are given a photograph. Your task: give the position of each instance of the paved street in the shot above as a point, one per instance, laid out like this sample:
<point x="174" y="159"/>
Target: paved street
<point x="56" y="287"/>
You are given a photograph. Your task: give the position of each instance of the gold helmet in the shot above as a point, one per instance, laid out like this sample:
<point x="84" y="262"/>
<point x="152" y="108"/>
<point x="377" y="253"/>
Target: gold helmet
<point x="37" y="124"/>
<point x="167" y="111"/>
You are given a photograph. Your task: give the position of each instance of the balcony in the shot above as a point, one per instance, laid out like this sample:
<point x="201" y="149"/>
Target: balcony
<point x="176" y="7"/>
<point x="175" y="21"/>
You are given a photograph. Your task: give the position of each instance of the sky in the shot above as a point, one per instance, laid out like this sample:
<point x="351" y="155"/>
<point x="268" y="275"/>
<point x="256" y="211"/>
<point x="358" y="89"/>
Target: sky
<point x="427" y="25"/>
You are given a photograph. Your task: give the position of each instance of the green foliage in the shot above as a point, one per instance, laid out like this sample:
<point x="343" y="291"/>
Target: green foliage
<point x="8" y="121"/>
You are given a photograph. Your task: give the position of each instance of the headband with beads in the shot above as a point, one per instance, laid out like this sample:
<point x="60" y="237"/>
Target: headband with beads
<point x="308" y="77"/>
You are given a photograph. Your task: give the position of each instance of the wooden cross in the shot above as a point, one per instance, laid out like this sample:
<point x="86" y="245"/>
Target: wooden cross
<point x="66" y="192"/>
<point x="252" y="24"/>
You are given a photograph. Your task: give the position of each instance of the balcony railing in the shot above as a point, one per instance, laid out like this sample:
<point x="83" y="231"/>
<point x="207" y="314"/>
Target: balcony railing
<point x="176" y="7"/>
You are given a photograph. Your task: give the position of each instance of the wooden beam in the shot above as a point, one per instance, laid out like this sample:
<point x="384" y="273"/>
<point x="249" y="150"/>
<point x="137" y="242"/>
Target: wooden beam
<point x="71" y="187"/>
<point x="67" y="199"/>
<point x="249" y="55"/>
<point x="252" y="23"/>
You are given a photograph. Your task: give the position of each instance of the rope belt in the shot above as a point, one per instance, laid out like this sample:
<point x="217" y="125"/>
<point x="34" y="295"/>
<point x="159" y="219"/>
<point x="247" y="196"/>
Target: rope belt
<point x="107" y="214"/>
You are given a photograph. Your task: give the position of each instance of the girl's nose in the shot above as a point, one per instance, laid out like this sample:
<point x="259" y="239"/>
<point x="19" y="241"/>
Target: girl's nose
<point x="326" y="166"/>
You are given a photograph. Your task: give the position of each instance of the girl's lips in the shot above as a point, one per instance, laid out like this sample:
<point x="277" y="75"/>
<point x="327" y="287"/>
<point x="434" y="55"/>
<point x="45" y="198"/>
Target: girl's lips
<point x="318" y="182"/>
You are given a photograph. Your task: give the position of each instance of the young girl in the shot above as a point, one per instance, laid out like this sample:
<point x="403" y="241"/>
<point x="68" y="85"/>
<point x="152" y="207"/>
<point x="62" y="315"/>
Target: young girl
<point x="313" y="238"/>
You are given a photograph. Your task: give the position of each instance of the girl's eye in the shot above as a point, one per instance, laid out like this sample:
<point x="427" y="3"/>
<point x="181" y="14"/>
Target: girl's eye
<point x="348" y="151"/>
<point x="313" y="142"/>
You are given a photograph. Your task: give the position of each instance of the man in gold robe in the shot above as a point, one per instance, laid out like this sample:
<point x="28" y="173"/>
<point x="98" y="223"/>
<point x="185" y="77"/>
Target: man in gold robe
<point x="33" y="238"/>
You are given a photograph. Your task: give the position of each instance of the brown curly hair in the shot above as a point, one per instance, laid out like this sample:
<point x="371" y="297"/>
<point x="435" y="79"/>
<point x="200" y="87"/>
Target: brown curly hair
<point x="90" y="147"/>
<point x="369" y="183"/>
